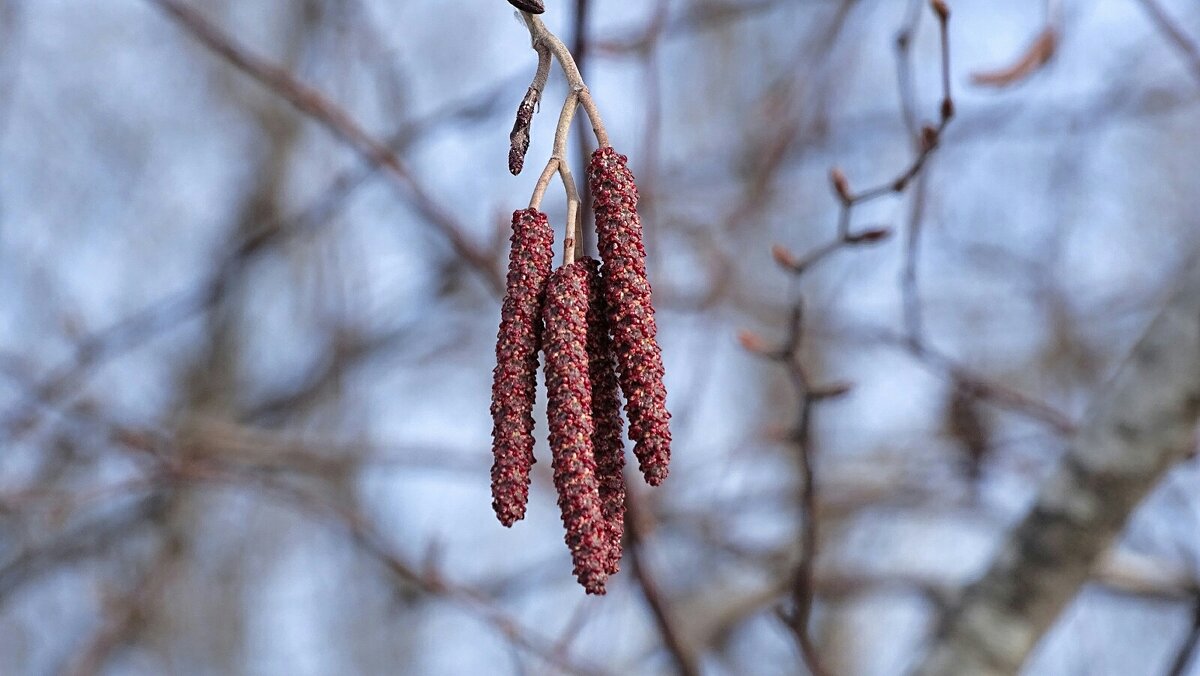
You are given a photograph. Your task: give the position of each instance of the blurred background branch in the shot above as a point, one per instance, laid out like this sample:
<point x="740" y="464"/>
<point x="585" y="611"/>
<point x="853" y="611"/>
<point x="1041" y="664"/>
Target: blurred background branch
<point x="249" y="263"/>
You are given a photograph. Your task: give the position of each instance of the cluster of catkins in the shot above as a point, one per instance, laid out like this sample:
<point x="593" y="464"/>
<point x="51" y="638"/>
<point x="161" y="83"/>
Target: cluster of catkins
<point x="595" y="325"/>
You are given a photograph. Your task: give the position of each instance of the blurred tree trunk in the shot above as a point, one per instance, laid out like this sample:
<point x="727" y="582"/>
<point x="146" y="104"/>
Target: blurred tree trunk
<point x="1141" y="426"/>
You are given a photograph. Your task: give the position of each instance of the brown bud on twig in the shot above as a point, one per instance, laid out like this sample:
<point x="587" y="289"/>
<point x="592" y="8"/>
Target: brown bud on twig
<point x="841" y="185"/>
<point x="784" y="257"/>
<point x="631" y="315"/>
<point x="929" y="138"/>
<point x="941" y="9"/>
<point x="514" y="385"/>
<point x="752" y="342"/>
<point x="870" y="236"/>
<point x="947" y="109"/>
<point x="607" y="445"/>
<point x="832" y="391"/>
<point x="569" y="408"/>
<point x="519" y="137"/>
<point x="531" y="6"/>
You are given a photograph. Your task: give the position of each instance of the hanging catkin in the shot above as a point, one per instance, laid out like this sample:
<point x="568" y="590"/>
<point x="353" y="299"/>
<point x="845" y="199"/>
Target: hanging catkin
<point x="607" y="445"/>
<point x="630" y="313"/>
<point x="514" y="384"/>
<point x="569" y="411"/>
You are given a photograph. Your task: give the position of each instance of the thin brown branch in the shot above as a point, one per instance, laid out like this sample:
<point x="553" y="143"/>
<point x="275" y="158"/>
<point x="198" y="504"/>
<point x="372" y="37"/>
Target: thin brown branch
<point x="203" y="470"/>
<point x="798" y="616"/>
<point x="681" y="654"/>
<point x="1039" y="53"/>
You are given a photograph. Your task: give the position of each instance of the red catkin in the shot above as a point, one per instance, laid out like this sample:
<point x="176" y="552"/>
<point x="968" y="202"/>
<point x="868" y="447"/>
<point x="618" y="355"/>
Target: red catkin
<point x="607" y="445"/>
<point x="569" y="411"/>
<point x="514" y="384"/>
<point x="630" y="313"/>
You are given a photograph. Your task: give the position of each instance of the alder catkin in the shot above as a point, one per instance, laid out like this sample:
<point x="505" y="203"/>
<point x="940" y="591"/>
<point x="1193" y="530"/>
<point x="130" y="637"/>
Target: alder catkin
<point x="631" y="315"/>
<point x="514" y="385"/>
<point x="607" y="445"/>
<point x="569" y="411"/>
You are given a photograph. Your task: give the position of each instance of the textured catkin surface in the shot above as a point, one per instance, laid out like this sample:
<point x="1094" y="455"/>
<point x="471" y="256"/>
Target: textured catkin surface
<point x="514" y="384"/>
<point x="569" y="410"/>
<point x="607" y="444"/>
<point x="630" y="313"/>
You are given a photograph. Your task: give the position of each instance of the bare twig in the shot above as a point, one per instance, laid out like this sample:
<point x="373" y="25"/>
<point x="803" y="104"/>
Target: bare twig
<point x="558" y="165"/>
<point x="539" y="33"/>
<point x="683" y="656"/>
<point x="578" y="95"/>
<point x="802" y="587"/>
<point x="1039" y="52"/>
<point x="1186" y="46"/>
<point x="1187" y="651"/>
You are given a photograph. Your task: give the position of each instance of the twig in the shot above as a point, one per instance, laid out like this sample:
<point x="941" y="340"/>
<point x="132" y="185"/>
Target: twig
<point x="558" y="165"/>
<point x="122" y="617"/>
<point x="539" y="33"/>
<point x="685" y="660"/>
<point x="1188" y="650"/>
<point x="926" y="140"/>
<point x="203" y="470"/>
<point x="578" y="95"/>
<point x="904" y="65"/>
<point x="1039" y="52"/>
<point x="1186" y="47"/>
<point x="801" y="587"/>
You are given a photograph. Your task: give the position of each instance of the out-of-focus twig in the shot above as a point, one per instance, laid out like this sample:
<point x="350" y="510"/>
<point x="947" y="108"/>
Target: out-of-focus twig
<point x="1039" y="52"/>
<point x="1186" y="46"/>
<point x="802" y="589"/>
<point x="682" y="654"/>
<point x="316" y="105"/>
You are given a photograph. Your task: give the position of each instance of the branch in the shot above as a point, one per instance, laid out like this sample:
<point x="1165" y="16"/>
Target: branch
<point x="316" y="105"/>
<point x="802" y="586"/>
<point x="1143" y="425"/>
<point x="547" y="44"/>
<point x="685" y="660"/>
<point x="1186" y="47"/>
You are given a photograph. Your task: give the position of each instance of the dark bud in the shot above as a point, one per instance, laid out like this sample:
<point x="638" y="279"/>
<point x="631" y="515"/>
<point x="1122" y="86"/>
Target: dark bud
<point x="841" y="185"/>
<point x="519" y="137"/>
<point x="531" y="6"/>
<point x="929" y="138"/>
<point x="947" y="108"/>
<point x="870" y="236"/>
